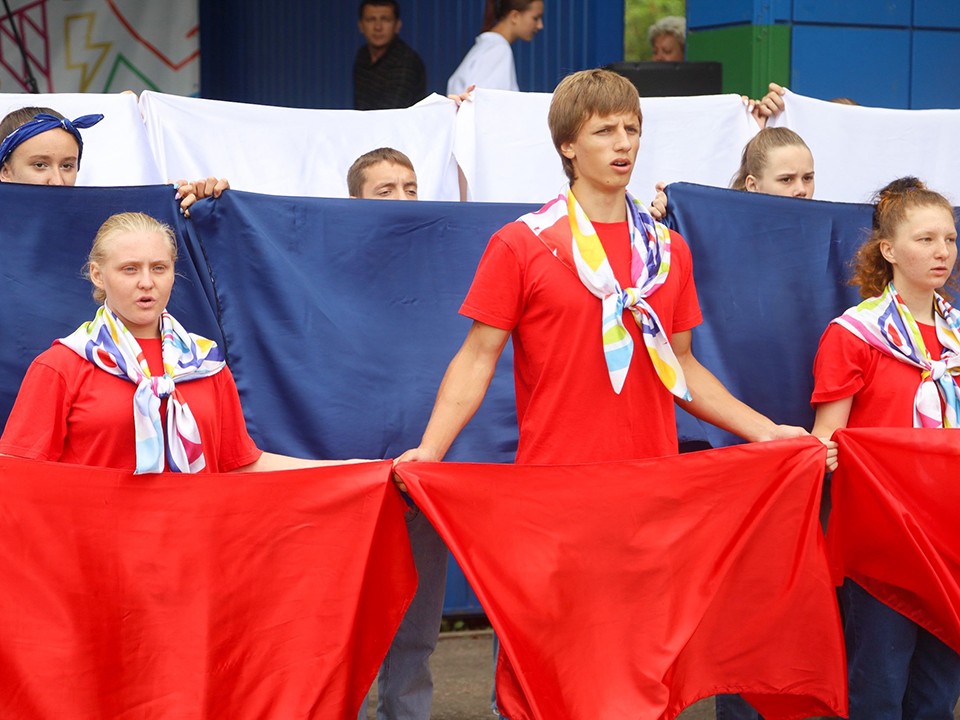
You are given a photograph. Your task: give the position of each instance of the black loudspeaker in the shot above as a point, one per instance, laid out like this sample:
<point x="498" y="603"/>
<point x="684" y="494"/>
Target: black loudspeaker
<point x="667" y="79"/>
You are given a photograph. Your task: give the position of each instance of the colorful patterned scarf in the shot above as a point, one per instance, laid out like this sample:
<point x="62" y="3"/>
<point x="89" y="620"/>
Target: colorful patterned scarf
<point x="106" y="343"/>
<point x="41" y="123"/>
<point x="565" y="229"/>
<point x="885" y="323"/>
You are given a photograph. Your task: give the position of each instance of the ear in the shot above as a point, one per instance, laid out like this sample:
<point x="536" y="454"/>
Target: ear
<point x="886" y="250"/>
<point x="96" y="275"/>
<point x="566" y="149"/>
<point x="4" y="173"/>
<point x="750" y="184"/>
<point x="399" y="25"/>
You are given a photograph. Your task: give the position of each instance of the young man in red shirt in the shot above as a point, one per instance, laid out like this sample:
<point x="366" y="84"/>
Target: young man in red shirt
<point x="600" y="302"/>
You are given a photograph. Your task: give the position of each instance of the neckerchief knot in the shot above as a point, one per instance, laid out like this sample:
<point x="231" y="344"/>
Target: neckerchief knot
<point x="162" y="387"/>
<point x="937" y="369"/>
<point x="629" y="297"/>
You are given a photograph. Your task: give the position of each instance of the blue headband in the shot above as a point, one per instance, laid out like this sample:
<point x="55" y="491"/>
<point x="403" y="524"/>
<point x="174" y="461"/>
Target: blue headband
<point x="40" y="124"/>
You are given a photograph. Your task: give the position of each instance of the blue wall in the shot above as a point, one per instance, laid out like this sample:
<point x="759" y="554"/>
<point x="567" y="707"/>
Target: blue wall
<point x="710" y="13"/>
<point x="300" y="54"/>
<point x="886" y="53"/>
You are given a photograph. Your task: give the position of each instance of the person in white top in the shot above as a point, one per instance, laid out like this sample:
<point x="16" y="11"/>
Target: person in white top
<point x="489" y="64"/>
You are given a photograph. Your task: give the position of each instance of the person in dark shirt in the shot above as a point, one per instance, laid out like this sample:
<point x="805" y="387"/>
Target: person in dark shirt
<point x="387" y="73"/>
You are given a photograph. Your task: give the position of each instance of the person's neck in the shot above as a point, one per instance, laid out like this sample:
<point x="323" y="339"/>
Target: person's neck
<point x="604" y="206"/>
<point x="503" y="29"/>
<point x="377" y="53"/>
<point x="918" y="302"/>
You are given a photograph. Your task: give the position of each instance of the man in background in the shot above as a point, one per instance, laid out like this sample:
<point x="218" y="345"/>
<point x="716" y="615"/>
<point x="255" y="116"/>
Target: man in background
<point x="382" y="174"/>
<point x="387" y="73"/>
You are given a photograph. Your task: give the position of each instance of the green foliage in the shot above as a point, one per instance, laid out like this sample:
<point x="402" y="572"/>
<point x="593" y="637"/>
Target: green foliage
<point x="640" y="15"/>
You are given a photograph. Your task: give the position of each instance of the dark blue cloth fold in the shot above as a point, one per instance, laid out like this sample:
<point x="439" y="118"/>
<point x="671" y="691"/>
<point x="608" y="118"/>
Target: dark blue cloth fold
<point x="359" y="302"/>
<point x="771" y="272"/>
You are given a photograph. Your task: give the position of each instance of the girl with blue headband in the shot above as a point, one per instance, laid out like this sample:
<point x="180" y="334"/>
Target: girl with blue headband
<point x="39" y="146"/>
<point x="42" y="147"/>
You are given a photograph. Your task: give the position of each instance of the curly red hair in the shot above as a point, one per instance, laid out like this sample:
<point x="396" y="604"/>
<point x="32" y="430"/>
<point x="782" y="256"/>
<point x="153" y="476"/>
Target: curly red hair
<point x="871" y="271"/>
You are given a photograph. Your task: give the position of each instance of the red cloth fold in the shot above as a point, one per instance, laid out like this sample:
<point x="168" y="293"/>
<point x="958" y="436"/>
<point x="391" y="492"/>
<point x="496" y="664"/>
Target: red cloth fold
<point x="633" y="589"/>
<point x="893" y="526"/>
<point x="263" y="595"/>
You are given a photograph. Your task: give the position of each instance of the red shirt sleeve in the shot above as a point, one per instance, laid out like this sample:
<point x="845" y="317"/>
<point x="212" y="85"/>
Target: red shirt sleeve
<point x="237" y="448"/>
<point x="37" y="426"/>
<point x="496" y="295"/>
<point x="842" y="367"/>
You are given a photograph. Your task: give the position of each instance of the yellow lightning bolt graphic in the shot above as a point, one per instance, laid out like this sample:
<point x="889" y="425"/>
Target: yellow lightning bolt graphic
<point x="83" y="23"/>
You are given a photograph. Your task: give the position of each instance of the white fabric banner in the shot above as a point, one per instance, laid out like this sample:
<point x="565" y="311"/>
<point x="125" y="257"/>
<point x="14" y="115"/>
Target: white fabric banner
<point x="500" y="139"/>
<point x="504" y="147"/>
<point x="857" y="150"/>
<point x="101" y="46"/>
<point x="292" y="151"/>
<point x="115" y="150"/>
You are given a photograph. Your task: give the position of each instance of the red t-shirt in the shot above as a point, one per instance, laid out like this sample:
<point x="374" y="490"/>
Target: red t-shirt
<point x="566" y="408"/>
<point x="68" y="410"/>
<point x="883" y="388"/>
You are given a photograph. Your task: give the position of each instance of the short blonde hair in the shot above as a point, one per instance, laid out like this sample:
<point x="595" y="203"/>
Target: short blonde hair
<point x="128" y="222"/>
<point x="582" y="95"/>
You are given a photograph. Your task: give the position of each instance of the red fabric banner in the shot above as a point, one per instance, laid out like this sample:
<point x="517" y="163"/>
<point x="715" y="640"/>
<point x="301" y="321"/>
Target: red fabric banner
<point x="633" y="589"/>
<point x="264" y="595"/>
<point x="893" y="526"/>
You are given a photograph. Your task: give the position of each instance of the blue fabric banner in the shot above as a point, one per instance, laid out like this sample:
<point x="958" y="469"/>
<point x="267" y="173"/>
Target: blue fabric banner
<point x="771" y="272"/>
<point x="340" y="317"/>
